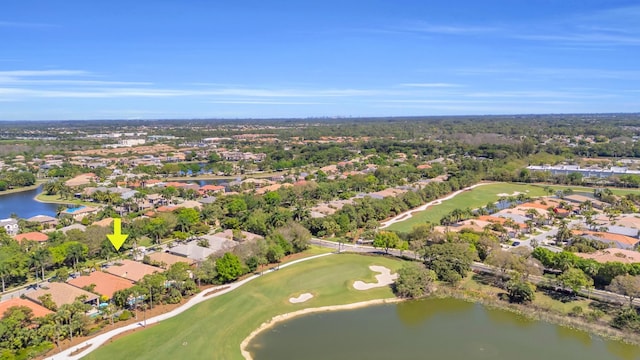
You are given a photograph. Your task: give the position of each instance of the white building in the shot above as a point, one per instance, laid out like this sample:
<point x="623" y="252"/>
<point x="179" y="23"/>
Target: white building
<point x="10" y="226"/>
<point x="131" y="142"/>
<point x="586" y="172"/>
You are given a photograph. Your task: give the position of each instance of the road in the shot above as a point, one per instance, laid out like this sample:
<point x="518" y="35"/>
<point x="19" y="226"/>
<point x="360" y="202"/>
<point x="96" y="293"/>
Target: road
<point x="600" y="295"/>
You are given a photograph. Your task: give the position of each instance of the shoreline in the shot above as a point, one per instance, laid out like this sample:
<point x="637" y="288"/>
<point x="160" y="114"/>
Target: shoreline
<point x="606" y="332"/>
<point x="291" y="315"/>
<point x="22" y="189"/>
<point x="101" y="339"/>
<point x="577" y="324"/>
<point x="223" y="177"/>
<point x="62" y="202"/>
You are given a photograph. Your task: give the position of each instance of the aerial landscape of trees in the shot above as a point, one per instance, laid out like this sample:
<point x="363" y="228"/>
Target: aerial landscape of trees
<point x="342" y="165"/>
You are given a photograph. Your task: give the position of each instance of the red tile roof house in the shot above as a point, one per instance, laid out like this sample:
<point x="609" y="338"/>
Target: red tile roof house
<point x="38" y="311"/>
<point x="62" y="293"/>
<point x="32" y="236"/>
<point x="132" y="270"/>
<point x="615" y="240"/>
<point x="105" y="284"/>
<point x="211" y="189"/>
<point x="44" y="220"/>
<point x="159" y="258"/>
<point x="613" y="255"/>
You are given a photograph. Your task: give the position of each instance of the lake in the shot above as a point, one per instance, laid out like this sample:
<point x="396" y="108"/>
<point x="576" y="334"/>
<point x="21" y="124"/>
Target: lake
<point x="24" y="204"/>
<point x="430" y="329"/>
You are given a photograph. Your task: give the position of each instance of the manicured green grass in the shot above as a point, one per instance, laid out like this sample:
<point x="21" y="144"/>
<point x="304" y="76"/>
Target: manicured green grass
<point x="215" y="328"/>
<point x="473" y="199"/>
<point x="481" y="195"/>
<point x="584" y="189"/>
<point x="21" y="189"/>
<point x="56" y="199"/>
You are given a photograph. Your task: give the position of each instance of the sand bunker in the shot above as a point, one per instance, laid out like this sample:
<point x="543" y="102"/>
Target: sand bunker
<point x="385" y="278"/>
<point x="300" y="299"/>
<point x="515" y="193"/>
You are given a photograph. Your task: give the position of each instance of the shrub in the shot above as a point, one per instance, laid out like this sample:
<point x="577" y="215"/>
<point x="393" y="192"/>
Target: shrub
<point x="576" y="311"/>
<point x="595" y="315"/>
<point x="125" y="315"/>
<point x="520" y="291"/>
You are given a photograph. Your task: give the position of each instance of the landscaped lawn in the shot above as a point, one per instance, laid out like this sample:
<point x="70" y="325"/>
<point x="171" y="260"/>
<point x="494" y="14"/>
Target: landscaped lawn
<point x="480" y="196"/>
<point x="473" y="199"/>
<point x="56" y="199"/>
<point x="214" y="329"/>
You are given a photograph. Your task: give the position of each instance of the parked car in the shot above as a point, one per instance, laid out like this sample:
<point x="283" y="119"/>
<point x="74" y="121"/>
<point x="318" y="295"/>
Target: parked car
<point x="515" y="243"/>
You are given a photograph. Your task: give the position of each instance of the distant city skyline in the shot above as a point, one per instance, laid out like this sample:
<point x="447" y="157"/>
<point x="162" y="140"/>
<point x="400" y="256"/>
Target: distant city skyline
<point x="75" y="60"/>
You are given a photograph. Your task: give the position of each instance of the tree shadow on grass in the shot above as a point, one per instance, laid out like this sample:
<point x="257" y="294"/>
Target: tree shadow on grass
<point x="607" y="308"/>
<point x="559" y="295"/>
<point x="484" y="279"/>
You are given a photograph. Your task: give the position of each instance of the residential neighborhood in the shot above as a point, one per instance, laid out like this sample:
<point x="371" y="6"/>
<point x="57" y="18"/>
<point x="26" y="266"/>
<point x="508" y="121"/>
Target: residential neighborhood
<point x="205" y="212"/>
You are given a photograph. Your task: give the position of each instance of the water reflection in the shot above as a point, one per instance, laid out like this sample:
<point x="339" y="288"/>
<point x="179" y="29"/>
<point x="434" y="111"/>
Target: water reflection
<point x="431" y="329"/>
<point x="414" y="313"/>
<point x="24" y="205"/>
<point x="623" y="350"/>
<point x="569" y="334"/>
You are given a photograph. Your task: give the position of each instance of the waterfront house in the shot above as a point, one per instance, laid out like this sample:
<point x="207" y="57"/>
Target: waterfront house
<point x="80" y="212"/>
<point x="31" y="236"/>
<point x="44" y="220"/>
<point x="82" y="179"/>
<point x="10" y="226"/>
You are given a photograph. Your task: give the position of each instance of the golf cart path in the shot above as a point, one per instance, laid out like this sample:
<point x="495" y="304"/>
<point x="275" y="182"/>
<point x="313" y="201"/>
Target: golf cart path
<point x="409" y="213"/>
<point x="95" y="342"/>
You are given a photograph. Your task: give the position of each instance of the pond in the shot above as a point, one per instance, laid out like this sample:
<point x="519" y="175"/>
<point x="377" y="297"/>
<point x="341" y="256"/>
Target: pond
<point x="430" y="329"/>
<point x="24" y="205"/>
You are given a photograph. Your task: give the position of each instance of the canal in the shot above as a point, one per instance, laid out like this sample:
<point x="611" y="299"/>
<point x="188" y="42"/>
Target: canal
<point x="430" y="329"/>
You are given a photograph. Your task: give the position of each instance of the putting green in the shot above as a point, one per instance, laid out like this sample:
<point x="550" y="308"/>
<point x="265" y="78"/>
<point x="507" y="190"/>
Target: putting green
<point x="214" y="329"/>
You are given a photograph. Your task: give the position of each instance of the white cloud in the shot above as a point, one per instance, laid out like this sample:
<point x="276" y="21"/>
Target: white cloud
<point x="424" y="27"/>
<point x="17" y="24"/>
<point x="430" y="85"/>
<point x="28" y="73"/>
<point x="263" y="102"/>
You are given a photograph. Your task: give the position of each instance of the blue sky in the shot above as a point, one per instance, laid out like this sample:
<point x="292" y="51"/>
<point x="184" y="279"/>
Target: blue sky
<point x="118" y="59"/>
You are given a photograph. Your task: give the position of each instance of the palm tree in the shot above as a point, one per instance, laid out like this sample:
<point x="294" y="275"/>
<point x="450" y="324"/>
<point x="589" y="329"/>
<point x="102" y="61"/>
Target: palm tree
<point x="52" y="187"/>
<point x="491" y="207"/>
<point x="563" y="234"/>
<point x="529" y="225"/>
<point x="60" y="208"/>
<point x="41" y="258"/>
<point x="531" y="213"/>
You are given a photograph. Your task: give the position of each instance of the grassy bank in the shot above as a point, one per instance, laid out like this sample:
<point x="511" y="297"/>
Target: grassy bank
<point x="56" y="199"/>
<point x="215" y="329"/>
<point x="18" y="190"/>
<point x="545" y="307"/>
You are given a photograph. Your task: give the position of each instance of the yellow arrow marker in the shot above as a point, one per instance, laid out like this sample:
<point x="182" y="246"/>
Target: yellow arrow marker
<point x="117" y="238"/>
